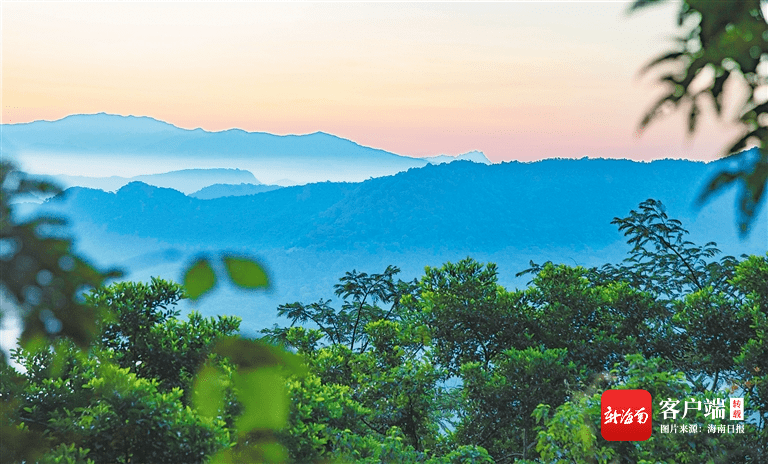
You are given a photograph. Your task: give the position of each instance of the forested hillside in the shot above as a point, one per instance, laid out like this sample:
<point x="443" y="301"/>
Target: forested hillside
<point x="544" y="204"/>
<point x="231" y="190"/>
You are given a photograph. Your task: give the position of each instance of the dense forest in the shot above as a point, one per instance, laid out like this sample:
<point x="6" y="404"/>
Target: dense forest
<point x="448" y="368"/>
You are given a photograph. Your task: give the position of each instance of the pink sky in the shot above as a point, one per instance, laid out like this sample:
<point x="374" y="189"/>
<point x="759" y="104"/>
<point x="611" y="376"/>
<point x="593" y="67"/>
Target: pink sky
<point x="515" y="80"/>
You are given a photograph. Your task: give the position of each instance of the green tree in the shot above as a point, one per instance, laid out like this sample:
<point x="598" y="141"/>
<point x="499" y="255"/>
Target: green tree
<point x="498" y="402"/>
<point x="703" y="310"/>
<point x="512" y="351"/>
<point x="469" y="316"/>
<point x="671" y="301"/>
<point x="146" y="335"/>
<point x="362" y="294"/>
<point x="372" y="394"/>
<point x="45" y="282"/>
<point x="42" y="280"/>
<point x="126" y="399"/>
<point x="133" y="395"/>
<point x="71" y="398"/>
<point x="751" y="375"/>
<point x="713" y="315"/>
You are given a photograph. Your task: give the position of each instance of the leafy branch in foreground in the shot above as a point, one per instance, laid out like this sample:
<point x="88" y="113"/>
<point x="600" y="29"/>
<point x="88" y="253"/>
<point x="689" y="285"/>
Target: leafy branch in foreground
<point x="41" y="272"/>
<point x="722" y="43"/>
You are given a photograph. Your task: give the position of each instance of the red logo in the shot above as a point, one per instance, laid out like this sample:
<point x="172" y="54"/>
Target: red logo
<point x="626" y="415"/>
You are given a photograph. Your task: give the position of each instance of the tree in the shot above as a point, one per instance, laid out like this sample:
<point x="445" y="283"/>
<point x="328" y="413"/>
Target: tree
<point x="721" y="43"/>
<point x="372" y="394"/>
<point x="147" y="336"/>
<point x="125" y="399"/>
<point x="671" y="303"/>
<point x="88" y="402"/>
<point x="713" y="317"/>
<point x="362" y="293"/>
<point x="750" y="373"/>
<point x="512" y="351"/>
<point x="703" y="309"/>
<point x="469" y="316"/>
<point x="43" y="279"/>
<point x="151" y="387"/>
<point x="452" y="368"/>
<point x="499" y="402"/>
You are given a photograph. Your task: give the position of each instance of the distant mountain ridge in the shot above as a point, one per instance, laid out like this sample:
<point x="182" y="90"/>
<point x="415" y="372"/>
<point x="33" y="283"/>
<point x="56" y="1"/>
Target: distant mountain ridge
<point x="227" y="190"/>
<point x="309" y="236"/>
<point x="457" y="205"/>
<point x="186" y="180"/>
<point x="473" y="156"/>
<point x="121" y="143"/>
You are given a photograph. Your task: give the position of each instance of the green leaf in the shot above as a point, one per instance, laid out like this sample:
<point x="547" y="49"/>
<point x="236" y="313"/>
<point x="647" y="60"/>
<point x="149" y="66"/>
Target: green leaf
<point x="246" y="273"/>
<point x="252" y="354"/>
<point x="262" y="393"/>
<point x="199" y="279"/>
<point x="265" y="452"/>
<point x="208" y="392"/>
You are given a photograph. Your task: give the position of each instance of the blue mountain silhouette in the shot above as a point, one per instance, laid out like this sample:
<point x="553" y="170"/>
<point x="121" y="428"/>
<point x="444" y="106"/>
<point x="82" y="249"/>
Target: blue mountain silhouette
<point x="457" y="205"/>
<point x="309" y="235"/>
<point x="118" y="143"/>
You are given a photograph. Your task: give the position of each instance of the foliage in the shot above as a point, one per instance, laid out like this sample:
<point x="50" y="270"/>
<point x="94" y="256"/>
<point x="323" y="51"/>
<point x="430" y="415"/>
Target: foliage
<point x="134" y="396"/>
<point x="41" y="279"/>
<point x="246" y="273"/>
<point x="468" y="314"/>
<point x="499" y="401"/>
<point x="147" y="337"/>
<point x="662" y="261"/>
<point x="713" y="318"/>
<point x="41" y="273"/>
<point x="362" y="293"/>
<point x="252" y="372"/>
<point x="705" y="311"/>
<point x="462" y="362"/>
<point x="372" y="395"/>
<point x="721" y="43"/>
<point x="114" y="414"/>
<point x="123" y="400"/>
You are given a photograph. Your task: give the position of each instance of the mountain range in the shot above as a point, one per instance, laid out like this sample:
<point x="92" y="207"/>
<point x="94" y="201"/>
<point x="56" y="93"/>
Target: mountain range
<point x="231" y="190"/>
<point x="104" y="145"/>
<point x="309" y="235"/>
<point x="149" y="197"/>
<point x="186" y="180"/>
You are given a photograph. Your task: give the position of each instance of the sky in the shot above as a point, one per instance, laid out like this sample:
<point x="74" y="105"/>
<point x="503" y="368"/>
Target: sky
<point x="515" y="80"/>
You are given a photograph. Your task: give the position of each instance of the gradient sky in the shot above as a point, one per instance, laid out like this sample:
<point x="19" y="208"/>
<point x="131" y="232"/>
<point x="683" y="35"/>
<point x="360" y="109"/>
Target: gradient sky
<point x="518" y="81"/>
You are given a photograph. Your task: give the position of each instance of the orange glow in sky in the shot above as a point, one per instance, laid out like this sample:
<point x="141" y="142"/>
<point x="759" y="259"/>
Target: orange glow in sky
<point x="515" y="80"/>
